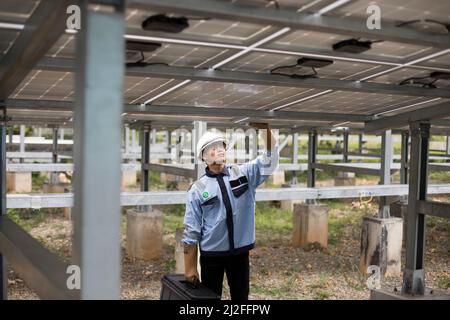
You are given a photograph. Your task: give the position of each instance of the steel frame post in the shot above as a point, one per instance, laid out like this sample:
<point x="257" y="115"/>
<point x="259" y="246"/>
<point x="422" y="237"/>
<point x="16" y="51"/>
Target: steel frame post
<point x="404" y="158"/>
<point x="22" y="141"/>
<point x="345" y="147"/>
<point x="448" y="146"/>
<point x="200" y="128"/>
<point x="133" y="140"/>
<point x="3" y="264"/>
<point x="360" y="144"/>
<point x="55" y="145"/>
<point x="247" y="147"/>
<point x="144" y="138"/>
<point x="385" y="171"/>
<point x="54" y="176"/>
<point x="10" y="134"/>
<point x="153" y="136"/>
<point x="97" y="150"/>
<point x="414" y="273"/>
<point x="169" y="144"/>
<point x="127" y="140"/>
<point x="312" y="151"/>
<point x="294" y="156"/>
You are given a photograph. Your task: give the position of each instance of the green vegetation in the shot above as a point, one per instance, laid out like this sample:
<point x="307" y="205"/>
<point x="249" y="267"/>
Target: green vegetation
<point x="30" y="218"/>
<point x="444" y="282"/>
<point x="37" y="181"/>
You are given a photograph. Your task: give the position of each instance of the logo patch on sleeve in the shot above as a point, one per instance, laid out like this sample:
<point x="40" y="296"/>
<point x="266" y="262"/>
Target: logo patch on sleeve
<point x="205" y="194"/>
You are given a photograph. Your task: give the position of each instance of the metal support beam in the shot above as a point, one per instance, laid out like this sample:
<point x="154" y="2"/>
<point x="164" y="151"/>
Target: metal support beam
<point x="3" y="264"/>
<point x="153" y="136"/>
<point x="169" y="141"/>
<point x="41" y="269"/>
<point x="22" y="141"/>
<point x="144" y="139"/>
<point x="53" y="176"/>
<point x="437" y="111"/>
<point x="312" y="152"/>
<point x="254" y="144"/>
<point x="97" y="151"/>
<point x="294" y="180"/>
<point x="283" y="143"/>
<point x="11" y="133"/>
<point x="173" y="170"/>
<point x="183" y="73"/>
<point x="264" y="79"/>
<point x="295" y="147"/>
<point x="200" y="128"/>
<point x="360" y="144"/>
<point x="170" y="110"/>
<point x="345" y="148"/>
<point x="385" y="171"/>
<point x="133" y="141"/>
<point x="64" y="200"/>
<point x="414" y="273"/>
<point x="404" y="158"/>
<point x="366" y="155"/>
<point x="434" y="208"/>
<point x="350" y="167"/>
<point x="448" y="145"/>
<point x="247" y="147"/>
<point x="290" y="18"/>
<point x="43" y="28"/>
<point x="127" y="140"/>
<point x="55" y="145"/>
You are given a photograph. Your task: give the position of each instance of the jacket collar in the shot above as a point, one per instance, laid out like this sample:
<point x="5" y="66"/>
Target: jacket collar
<point x="211" y="174"/>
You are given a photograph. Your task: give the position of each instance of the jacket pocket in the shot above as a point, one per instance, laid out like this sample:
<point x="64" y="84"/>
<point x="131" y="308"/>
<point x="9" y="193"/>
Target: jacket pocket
<point x="210" y="201"/>
<point x="239" y="186"/>
<point x="211" y="211"/>
<point x="239" y="191"/>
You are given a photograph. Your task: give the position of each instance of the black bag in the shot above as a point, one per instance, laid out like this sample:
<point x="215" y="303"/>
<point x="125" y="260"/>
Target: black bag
<point x="174" y="287"/>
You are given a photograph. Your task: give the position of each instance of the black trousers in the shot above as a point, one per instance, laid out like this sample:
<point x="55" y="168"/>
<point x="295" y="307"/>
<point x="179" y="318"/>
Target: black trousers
<point x="238" y="274"/>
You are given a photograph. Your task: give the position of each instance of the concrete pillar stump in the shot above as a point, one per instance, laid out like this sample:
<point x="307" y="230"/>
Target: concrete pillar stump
<point x="277" y="178"/>
<point x="129" y="178"/>
<point x="289" y="204"/>
<point x="399" y="209"/>
<point x="54" y="188"/>
<point x="18" y="182"/>
<point x="310" y="227"/>
<point x="67" y="213"/>
<point x="381" y="245"/>
<point x="145" y="234"/>
<point x="345" y="179"/>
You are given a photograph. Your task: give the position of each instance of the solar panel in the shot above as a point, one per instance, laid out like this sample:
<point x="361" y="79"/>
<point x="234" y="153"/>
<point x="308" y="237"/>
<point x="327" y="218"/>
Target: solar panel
<point x="320" y="40"/>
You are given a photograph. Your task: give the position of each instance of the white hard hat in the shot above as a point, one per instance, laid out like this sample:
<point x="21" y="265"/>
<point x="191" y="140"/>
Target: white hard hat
<point x="207" y="139"/>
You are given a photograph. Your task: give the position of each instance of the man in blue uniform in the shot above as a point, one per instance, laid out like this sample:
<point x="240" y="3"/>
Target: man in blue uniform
<point x="220" y="215"/>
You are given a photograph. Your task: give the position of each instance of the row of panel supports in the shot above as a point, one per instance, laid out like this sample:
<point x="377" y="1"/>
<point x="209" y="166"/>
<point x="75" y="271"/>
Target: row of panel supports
<point x="145" y="135"/>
